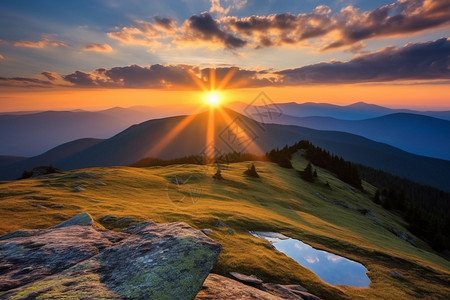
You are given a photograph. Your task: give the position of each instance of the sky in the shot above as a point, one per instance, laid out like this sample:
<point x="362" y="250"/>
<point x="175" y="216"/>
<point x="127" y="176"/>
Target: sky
<point x="100" y="53"/>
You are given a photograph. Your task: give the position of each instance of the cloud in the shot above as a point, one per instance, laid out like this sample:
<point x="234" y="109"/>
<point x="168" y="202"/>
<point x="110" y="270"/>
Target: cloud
<point x="347" y="28"/>
<point x="2" y="57"/>
<point x="419" y="61"/>
<point x="98" y="48"/>
<point x="23" y="82"/>
<point x="50" y="75"/>
<point x="430" y="60"/>
<point x="43" y="43"/>
<point x="232" y="5"/>
<point x="168" y="76"/>
<point x="205" y="28"/>
<point x="146" y="33"/>
<point x="312" y="259"/>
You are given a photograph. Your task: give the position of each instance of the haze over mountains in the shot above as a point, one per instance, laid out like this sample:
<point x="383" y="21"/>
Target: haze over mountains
<point x="355" y="111"/>
<point x="413" y="133"/>
<point x="33" y="133"/>
<point x="150" y="139"/>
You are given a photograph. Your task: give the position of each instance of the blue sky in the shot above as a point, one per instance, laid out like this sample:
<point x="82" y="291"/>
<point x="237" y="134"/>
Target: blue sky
<point x="100" y="43"/>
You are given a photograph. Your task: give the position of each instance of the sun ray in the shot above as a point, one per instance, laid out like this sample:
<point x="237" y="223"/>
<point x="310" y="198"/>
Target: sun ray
<point x="227" y="78"/>
<point x="210" y="132"/>
<point x="156" y="150"/>
<point x="242" y="136"/>
<point x="212" y="79"/>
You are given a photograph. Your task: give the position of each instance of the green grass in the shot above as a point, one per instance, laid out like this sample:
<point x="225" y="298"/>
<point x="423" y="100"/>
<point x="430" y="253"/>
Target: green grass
<point x="278" y="201"/>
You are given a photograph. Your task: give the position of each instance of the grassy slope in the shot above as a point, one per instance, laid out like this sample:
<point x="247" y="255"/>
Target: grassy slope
<point x="279" y="201"/>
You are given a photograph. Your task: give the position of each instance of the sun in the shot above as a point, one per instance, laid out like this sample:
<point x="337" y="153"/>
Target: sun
<point x="213" y="98"/>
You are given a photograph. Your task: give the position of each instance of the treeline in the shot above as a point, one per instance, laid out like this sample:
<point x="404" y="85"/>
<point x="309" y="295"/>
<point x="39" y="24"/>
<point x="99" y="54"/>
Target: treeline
<point x="344" y="170"/>
<point x="198" y="160"/>
<point x="426" y="209"/>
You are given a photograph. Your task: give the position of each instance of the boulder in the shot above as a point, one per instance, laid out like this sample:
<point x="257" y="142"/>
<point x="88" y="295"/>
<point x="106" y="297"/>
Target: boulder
<point x="219" y="287"/>
<point x="44" y="252"/>
<point x="252" y="279"/>
<point x="83" y="219"/>
<point x="146" y="261"/>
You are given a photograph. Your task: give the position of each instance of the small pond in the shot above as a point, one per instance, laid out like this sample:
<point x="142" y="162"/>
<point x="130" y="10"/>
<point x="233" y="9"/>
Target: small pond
<point x="331" y="268"/>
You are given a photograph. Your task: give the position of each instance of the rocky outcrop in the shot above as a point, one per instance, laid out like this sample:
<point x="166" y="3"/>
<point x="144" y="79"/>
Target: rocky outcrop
<point x="219" y="287"/>
<point x="250" y="287"/>
<point x="146" y="261"/>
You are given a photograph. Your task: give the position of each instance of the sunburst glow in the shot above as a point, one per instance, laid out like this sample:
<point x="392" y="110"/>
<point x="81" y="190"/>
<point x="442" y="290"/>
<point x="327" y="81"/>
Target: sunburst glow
<point x="213" y="98"/>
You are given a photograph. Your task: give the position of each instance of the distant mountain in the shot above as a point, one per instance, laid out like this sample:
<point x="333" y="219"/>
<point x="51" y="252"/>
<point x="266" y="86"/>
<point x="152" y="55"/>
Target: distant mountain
<point x="150" y="139"/>
<point x="413" y="133"/>
<point x="14" y="170"/>
<point x="29" y="134"/>
<point x="355" y="111"/>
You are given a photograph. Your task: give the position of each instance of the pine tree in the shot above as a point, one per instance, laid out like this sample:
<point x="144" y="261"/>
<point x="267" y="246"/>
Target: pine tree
<point x="307" y="173"/>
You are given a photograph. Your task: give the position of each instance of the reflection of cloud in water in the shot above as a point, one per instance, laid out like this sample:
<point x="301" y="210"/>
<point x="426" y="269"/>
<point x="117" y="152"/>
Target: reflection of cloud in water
<point x="330" y="267"/>
<point x="334" y="258"/>
<point x="312" y="259"/>
<point x="298" y="246"/>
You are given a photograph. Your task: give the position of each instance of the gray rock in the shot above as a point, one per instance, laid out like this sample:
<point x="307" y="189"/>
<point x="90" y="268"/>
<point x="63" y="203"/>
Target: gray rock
<point x="342" y="203"/>
<point x="146" y="261"/>
<point x="207" y="231"/>
<point x="219" y="223"/>
<point x="168" y="261"/>
<point x="40" y="206"/>
<point x="176" y="180"/>
<point x="404" y="236"/>
<point x="220" y="287"/>
<point x="78" y="189"/>
<point x="45" y="252"/>
<point x="230" y="231"/>
<point x="397" y="276"/>
<point x="108" y="218"/>
<point x="252" y="279"/>
<point x="124" y="222"/>
<point x="16" y="234"/>
<point x="289" y="291"/>
<point x="99" y="183"/>
<point x="83" y="219"/>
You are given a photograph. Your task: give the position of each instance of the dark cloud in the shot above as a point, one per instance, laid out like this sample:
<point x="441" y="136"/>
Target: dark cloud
<point x="204" y="27"/>
<point x="345" y="28"/>
<point x="79" y="78"/>
<point x="23" y="82"/>
<point x="167" y="23"/>
<point x="421" y="61"/>
<point x="171" y="76"/>
<point x="50" y="75"/>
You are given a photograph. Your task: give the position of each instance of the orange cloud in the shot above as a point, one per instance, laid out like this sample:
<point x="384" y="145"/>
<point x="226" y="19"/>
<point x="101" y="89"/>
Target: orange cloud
<point x="98" y="48"/>
<point x="2" y="57"/>
<point x="347" y="29"/>
<point x="43" y="43"/>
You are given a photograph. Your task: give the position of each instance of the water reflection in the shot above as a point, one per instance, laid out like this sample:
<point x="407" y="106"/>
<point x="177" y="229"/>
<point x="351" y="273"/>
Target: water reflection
<point x="331" y="268"/>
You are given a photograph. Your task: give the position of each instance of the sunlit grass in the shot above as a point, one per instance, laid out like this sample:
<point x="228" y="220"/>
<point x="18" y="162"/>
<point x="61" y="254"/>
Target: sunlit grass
<point x="278" y="201"/>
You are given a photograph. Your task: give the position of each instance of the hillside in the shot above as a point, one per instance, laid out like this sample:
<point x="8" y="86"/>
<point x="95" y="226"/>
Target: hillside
<point x="13" y="170"/>
<point x="150" y="139"/>
<point x="413" y="133"/>
<point x="328" y="218"/>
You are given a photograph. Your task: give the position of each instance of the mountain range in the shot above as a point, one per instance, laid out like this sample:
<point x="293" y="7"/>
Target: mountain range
<point x="32" y="133"/>
<point x="233" y="133"/>
<point x="355" y="111"/>
<point x="418" y="134"/>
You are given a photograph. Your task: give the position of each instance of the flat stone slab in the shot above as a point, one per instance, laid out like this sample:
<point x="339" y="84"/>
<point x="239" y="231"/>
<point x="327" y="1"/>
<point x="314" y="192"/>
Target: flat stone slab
<point x="146" y="261"/>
